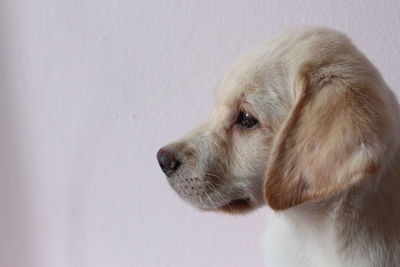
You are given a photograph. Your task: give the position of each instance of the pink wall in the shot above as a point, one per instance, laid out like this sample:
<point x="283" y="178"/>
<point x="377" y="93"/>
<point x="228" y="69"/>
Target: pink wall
<point x="91" y="89"/>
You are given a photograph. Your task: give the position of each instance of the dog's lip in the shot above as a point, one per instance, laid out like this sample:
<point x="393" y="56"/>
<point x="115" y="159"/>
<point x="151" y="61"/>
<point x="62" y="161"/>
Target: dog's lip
<point x="238" y="204"/>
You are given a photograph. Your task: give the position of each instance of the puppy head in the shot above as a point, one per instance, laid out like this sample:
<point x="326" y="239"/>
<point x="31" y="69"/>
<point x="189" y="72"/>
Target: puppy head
<point x="221" y="164"/>
<point x="296" y="119"/>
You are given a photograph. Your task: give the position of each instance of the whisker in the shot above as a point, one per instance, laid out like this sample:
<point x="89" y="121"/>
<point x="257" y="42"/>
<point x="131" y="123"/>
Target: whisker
<point x="201" y="200"/>
<point x="214" y="175"/>
<point x="216" y="192"/>
<point x="208" y="196"/>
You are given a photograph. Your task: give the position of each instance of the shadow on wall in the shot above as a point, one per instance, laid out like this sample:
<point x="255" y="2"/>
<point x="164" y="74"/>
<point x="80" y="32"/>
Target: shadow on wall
<point x="15" y="239"/>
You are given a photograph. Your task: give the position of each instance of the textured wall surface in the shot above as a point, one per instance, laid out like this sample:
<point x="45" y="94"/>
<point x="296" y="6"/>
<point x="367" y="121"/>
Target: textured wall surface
<point x="90" y="89"/>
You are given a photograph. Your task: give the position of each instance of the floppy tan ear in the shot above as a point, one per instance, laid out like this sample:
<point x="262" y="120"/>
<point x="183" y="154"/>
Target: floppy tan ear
<point x="333" y="138"/>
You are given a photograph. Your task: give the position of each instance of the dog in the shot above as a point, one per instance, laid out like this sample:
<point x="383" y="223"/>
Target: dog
<point x="305" y="123"/>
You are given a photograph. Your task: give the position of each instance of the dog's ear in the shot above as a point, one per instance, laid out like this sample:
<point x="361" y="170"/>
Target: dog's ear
<point x="333" y="138"/>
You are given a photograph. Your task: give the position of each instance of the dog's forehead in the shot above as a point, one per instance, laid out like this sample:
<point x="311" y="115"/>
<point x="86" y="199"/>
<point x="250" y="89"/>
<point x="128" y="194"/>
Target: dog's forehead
<point x="242" y="78"/>
<point x="267" y="70"/>
<point x="252" y="76"/>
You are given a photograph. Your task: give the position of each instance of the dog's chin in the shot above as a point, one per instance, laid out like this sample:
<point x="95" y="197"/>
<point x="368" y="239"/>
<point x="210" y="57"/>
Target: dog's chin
<point x="236" y="206"/>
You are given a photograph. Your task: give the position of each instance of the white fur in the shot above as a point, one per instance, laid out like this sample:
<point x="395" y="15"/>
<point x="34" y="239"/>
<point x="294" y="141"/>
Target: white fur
<point x="301" y="242"/>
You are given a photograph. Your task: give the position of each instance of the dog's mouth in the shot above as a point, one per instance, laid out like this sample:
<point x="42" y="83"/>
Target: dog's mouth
<point x="199" y="195"/>
<point x="237" y="205"/>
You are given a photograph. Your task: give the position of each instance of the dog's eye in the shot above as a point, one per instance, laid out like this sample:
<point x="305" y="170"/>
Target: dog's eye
<point x="246" y="120"/>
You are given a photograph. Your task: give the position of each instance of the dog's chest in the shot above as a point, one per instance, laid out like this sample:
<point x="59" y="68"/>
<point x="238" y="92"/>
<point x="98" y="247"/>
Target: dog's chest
<point x="287" y="242"/>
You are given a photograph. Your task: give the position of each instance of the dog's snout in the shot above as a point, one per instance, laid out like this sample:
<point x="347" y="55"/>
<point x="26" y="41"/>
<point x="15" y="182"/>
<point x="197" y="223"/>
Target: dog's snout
<point x="168" y="161"/>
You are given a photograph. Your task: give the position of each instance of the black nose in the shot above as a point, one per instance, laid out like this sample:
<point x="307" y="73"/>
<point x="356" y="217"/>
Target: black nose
<point x="168" y="161"/>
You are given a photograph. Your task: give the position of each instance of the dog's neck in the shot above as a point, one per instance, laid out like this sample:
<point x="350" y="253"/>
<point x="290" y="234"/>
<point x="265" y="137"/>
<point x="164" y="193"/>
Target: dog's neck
<point x="367" y="213"/>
